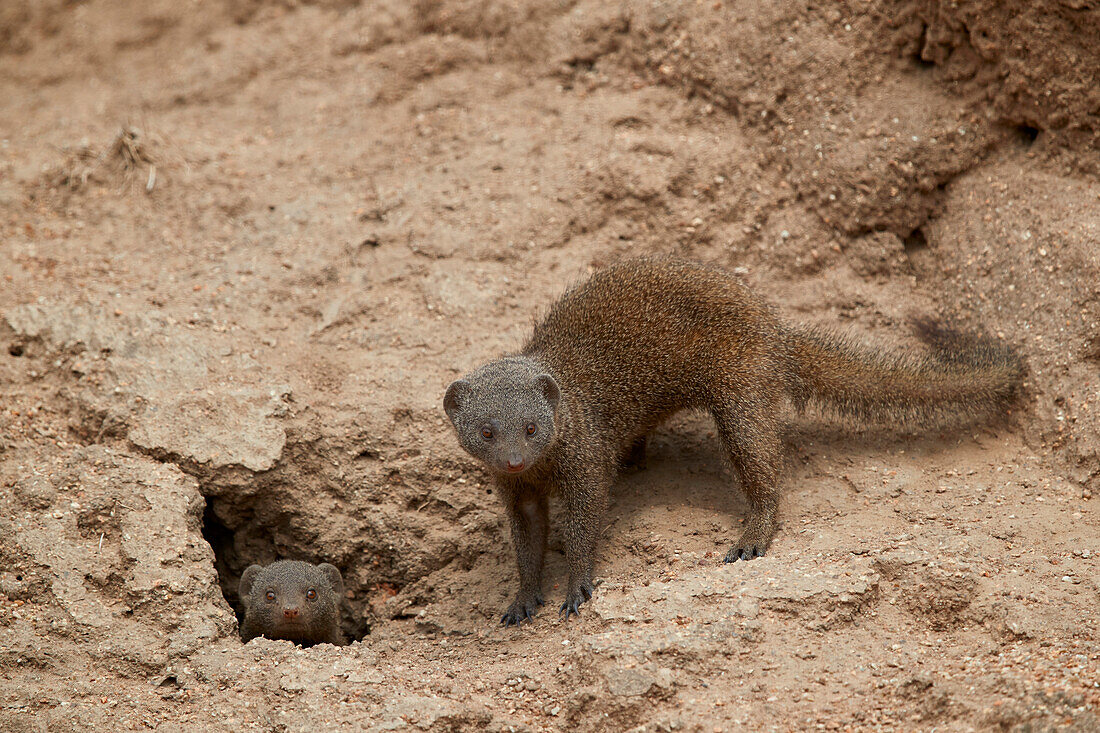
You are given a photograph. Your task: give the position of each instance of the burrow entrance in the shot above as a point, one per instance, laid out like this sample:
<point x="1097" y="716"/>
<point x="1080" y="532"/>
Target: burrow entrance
<point x="235" y="550"/>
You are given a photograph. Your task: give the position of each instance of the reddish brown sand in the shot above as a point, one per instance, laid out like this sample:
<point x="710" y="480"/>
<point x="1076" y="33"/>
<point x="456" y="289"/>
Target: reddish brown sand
<point x="244" y="246"/>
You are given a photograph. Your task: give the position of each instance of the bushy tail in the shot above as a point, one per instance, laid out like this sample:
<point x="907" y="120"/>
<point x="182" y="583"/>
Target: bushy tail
<point x="962" y="376"/>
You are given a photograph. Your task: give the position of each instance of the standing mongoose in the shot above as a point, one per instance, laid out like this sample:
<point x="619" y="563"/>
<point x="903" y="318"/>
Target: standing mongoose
<point x="292" y="600"/>
<point x="641" y="340"/>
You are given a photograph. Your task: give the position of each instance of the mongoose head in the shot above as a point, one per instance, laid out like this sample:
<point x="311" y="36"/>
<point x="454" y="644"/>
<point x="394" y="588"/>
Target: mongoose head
<point x="504" y="413"/>
<point x="292" y="600"/>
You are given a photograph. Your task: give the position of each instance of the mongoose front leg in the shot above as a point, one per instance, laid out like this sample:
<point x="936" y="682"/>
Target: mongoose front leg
<point x="528" y="512"/>
<point x="584" y="498"/>
<point x="750" y="432"/>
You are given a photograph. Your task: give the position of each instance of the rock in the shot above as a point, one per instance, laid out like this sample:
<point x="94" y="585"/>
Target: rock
<point x="365" y="675"/>
<point x="235" y="429"/>
<point x="159" y="384"/>
<point x="825" y="596"/>
<point x="293" y="683"/>
<point x="893" y="563"/>
<point x="664" y="600"/>
<point x="636" y="681"/>
<point x="695" y="638"/>
<point x="129" y="573"/>
<point x="916" y="685"/>
<point x="798" y="586"/>
<point x="938" y="595"/>
<point x="425" y="712"/>
<point x="724" y="602"/>
<point x="35" y="492"/>
<point x="1023" y="622"/>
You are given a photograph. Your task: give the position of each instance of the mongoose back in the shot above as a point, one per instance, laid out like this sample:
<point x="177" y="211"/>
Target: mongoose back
<point x="292" y="600"/>
<point x="641" y="340"/>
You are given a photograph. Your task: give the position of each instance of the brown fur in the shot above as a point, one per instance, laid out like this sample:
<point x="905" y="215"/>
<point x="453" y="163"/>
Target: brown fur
<point x="639" y="341"/>
<point x="292" y="600"/>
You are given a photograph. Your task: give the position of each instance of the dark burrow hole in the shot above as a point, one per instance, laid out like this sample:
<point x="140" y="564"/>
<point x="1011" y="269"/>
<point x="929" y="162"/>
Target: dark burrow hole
<point x="235" y="551"/>
<point x="914" y="241"/>
<point x="16" y="349"/>
<point x="1027" y="134"/>
<point x="918" y="55"/>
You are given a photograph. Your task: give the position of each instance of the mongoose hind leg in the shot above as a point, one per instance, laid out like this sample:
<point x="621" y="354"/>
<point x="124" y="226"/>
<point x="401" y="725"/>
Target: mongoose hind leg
<point x="584" y="497"/>
<point x="529" y="514"/>
<point x="750" y="432"/>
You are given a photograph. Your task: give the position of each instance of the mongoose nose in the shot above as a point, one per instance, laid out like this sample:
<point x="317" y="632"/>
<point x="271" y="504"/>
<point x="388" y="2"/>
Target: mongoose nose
<point x="515" y="463"/>
<point x="290" y="613"/>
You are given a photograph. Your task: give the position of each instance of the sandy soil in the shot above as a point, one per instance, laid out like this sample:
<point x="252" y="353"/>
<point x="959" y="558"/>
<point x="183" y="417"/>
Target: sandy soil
<point x="245" y="246"/>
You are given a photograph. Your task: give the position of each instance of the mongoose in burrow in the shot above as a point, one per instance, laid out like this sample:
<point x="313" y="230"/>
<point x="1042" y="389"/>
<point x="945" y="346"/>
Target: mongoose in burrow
<point x="292" y="600"/>
<point x="641" y="340"/>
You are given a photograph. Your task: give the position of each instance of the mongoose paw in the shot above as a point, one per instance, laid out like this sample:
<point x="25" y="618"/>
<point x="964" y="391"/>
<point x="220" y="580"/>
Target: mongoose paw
<point x="753" y="542"/>
<point x="574" y="599"/>
<point x="744" y="553"/>
<point x="522" y="609"/>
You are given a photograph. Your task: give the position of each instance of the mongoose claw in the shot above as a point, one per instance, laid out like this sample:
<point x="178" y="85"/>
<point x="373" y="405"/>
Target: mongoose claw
<point x="570" y="608"/>
<point x="744" y="553"/>
<point x="574" y="599"/>
<point x="521" y="610"/>
<point x="512" y="619"/>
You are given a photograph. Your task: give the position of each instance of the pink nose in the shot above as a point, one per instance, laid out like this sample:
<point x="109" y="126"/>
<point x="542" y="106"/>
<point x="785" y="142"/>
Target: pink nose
<point x="290" y="612"/>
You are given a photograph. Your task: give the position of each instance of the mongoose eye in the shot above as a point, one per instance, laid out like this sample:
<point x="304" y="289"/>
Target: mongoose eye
<point x="487" y="433"/>
<point x="270" y="595"/>
<point x="311" y="594"/>
<point x="532" y="428"/>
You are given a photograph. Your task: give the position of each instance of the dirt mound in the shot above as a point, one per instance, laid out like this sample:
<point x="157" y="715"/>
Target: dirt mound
<point x="1032" y="65"/>
<point x="248" y="244"/>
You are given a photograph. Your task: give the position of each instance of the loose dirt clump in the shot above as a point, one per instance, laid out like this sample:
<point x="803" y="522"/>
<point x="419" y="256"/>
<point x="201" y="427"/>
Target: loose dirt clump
<point x="122" y="161"/>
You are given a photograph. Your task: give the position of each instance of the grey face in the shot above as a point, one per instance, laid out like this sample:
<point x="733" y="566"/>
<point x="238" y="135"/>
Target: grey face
<point x="504" y="414"/>
<point x="292" y="600"/>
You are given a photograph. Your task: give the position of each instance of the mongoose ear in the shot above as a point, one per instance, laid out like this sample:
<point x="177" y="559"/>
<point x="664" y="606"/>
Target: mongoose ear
<point x="248" y="577"/>
<point x="452" y="401"/>
<point x="334" y="578"/>
<point x="549" y="388"/>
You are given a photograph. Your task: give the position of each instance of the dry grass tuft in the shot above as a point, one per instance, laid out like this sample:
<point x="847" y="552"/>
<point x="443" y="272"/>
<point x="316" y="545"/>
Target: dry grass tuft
<point x="128" y="157"/>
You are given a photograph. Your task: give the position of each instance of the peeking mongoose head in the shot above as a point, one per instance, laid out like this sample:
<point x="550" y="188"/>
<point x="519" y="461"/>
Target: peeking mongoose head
<point x="292" y="600"/>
